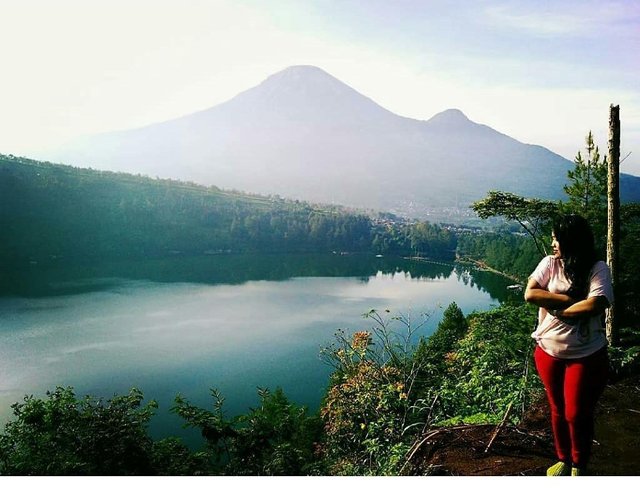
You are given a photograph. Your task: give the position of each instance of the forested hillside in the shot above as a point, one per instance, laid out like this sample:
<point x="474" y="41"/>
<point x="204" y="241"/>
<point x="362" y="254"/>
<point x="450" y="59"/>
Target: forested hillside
<point x="52" y="211"/>
<point x="513" y="254"/>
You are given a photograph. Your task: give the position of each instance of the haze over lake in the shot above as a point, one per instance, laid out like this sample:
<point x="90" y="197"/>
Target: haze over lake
<point x="233" y="322"/>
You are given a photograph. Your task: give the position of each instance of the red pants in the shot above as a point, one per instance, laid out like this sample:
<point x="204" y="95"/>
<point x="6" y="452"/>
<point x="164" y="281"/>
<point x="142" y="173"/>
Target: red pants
<point x="573" y="387"/>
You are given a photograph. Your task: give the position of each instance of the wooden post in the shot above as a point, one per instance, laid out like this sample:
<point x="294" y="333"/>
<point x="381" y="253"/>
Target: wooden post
<point x="613" y="216"/>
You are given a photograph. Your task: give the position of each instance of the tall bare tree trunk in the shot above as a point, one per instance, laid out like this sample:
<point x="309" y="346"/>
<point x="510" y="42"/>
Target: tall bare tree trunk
<point x="613" y="216"/>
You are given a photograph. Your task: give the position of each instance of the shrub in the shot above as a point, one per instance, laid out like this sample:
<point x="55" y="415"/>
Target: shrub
<point x="63" y="435"/>
<point x="432" y="353"/>
<point x="275" y="438"/>
<point x="368" y="406"/>
<point x="491" y="366"/>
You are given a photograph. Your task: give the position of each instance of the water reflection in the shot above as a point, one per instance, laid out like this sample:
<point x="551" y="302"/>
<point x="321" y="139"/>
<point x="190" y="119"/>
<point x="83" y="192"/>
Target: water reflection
<point x="183" y="325"/>
<point x="65" y="277"/>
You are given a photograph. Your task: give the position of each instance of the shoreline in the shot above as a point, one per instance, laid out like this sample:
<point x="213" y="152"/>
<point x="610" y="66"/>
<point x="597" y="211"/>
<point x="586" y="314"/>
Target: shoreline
<point x="478" y="264"/>
<point x="483" y="266"/>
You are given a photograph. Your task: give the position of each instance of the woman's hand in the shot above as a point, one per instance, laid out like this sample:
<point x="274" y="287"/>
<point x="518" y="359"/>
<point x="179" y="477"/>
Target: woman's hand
<point x="584" y="308"/>
<point x="559" y="314"/>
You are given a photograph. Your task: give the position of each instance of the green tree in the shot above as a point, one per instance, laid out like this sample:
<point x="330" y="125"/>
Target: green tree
<point x="450" y="330"/>
<point x="275" y="438"/>
<point x="534" y="215"/>
<point x="432" y="353"/>
<point x="63" y="435"/>
<point x="587" y="188"/>
<point x="586" y="191"/>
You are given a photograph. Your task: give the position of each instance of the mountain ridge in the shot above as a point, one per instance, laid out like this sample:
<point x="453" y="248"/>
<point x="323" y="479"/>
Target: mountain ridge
<point x="304" y="134"/>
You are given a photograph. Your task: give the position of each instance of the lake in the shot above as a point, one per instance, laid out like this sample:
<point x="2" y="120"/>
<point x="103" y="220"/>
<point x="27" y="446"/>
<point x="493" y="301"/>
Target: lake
<point x="232" y="322"/>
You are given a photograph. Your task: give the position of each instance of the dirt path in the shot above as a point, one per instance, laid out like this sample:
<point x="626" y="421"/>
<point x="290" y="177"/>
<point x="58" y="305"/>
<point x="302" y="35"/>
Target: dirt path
<point x="527" y="450"/>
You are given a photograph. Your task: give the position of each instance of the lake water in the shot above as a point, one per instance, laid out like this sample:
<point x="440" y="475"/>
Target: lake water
<point x="185" y="325"/>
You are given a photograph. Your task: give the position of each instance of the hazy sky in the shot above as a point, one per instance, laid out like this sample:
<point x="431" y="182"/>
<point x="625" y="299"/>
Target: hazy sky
<point x="544" y="72"/>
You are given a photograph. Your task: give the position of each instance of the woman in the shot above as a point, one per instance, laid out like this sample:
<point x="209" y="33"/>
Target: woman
<point x="573" y="290"/>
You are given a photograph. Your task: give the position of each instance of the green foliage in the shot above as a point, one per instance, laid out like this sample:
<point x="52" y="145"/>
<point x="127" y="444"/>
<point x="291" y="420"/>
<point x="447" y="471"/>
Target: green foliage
<point x="490" y="367"/>
<point x="95" y="214"/>
<point x="511" y="253"/>
<point x="534" y="215"/>
<point x="275" y="438"/>
<point x="371" y="413"/>
<point x="89" y="214"/>
<point x="170" y="457"/>
<point x="63" y="435"/>
<point x="431" y="241"/>
<point x="469" y="371"/>
<point x="215" y="429"/>
<point x="432" y="353"/>
<point x="586" y="192"/>
<point x="628" y="289"/>
<point x="587" y="189"/>
<point x="364" y="410"/>
<point x="449" y="331"/>
<point x="624" y="360"/>
<point x="420" y="239"/>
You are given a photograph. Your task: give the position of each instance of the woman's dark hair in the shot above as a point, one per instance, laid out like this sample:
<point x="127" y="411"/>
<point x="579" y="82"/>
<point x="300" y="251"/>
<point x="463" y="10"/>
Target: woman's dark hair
<point x="577" y="246"/>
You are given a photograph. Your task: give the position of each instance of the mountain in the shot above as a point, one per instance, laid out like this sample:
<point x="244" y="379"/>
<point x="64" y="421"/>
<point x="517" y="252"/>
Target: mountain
<point x="304" y="134"/>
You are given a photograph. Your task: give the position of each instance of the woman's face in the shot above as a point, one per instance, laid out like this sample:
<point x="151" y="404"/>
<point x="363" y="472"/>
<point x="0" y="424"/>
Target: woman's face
<point x="555" y="246"/>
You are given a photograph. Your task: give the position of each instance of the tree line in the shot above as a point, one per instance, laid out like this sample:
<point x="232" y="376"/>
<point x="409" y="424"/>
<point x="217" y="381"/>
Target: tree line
<point x="51" y="211"/>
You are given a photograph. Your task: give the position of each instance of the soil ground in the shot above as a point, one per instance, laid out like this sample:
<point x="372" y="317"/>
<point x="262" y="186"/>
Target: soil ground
<point x="527" y="449"/>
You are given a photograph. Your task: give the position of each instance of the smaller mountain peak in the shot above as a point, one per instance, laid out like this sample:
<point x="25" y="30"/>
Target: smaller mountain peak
<point x="450" y="120"/>
<point x="452" y="115"/>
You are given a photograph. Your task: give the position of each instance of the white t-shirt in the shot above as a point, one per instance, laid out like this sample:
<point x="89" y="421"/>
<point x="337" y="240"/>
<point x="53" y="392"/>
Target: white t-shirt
<point x="578" y="337"/>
